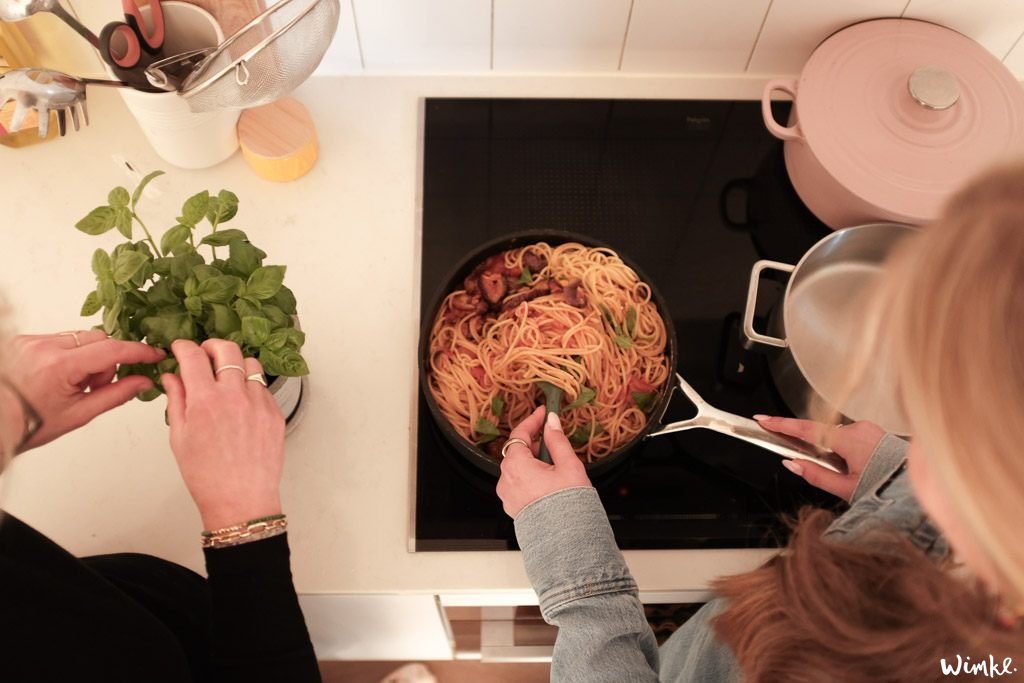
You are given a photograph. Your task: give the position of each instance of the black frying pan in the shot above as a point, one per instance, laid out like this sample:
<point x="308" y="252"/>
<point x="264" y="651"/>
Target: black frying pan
<point x="470" y="451"/>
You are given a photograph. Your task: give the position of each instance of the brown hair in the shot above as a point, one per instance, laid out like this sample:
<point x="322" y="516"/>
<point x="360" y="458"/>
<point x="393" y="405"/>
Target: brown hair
<point x="949" y="315"/>
<point x="876" y="610"/>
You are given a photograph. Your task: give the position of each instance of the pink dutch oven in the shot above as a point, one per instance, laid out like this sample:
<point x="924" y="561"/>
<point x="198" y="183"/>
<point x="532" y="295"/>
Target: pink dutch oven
<point x="890" y="117"/>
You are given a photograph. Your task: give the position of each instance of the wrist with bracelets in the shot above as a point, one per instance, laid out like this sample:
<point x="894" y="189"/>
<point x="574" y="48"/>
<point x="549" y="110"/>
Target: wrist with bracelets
<point x="253" y="530"/>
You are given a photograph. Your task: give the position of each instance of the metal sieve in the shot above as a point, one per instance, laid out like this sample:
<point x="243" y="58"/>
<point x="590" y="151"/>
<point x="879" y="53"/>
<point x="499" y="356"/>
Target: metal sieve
<point x="266" y="59"/>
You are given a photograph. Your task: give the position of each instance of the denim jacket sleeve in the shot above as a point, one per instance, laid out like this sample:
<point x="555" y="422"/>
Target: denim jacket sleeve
<point x="585" y="588"/>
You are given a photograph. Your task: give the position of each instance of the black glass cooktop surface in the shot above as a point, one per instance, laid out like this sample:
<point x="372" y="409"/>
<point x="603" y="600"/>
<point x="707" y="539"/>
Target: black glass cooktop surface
<point x="695" y="192"/>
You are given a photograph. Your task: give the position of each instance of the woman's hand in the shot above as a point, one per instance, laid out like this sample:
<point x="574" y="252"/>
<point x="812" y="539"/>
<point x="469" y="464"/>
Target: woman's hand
<point x="227" y="433"/>
<point x="524" y="479"/>
<point x="68" y="378"/>
<point x="853" y="442"/>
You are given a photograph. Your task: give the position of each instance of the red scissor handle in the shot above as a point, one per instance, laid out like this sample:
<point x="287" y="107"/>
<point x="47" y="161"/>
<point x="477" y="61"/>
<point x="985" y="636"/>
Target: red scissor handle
<point x="119" y="45"/>
<point x="153" y="39"/>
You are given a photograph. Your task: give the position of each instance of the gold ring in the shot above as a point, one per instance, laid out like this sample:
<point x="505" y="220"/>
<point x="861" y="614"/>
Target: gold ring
<point x="508" y="443"/>
<point x="256" y="377"/>
<point x="228" y="367"/>
<point x="78" y="342"/>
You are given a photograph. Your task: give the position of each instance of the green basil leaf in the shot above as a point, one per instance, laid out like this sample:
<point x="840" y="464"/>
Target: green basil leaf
<point x="236" y="337"/>
<point x="166" y="326"/>
<point x="582" y="435"/>
<point x="587" y="395"/>
<point x="194" y="305"/>
<point x="194" y="208"/>
<point x="111" y="315"/>
<point x="162" y="265"/>
<point x="244" y="258"/>
<point x="126" y="264"/>
<point x="264" y="282"/>
<point x="277" y="316"/>
<point x="204" y="272"/>
<point x="220" y="289"/>
<point x="123" y="221"/>
<point x="101" y="264"/>
<point x="169" y="364"/>
<point x="106" y="290"/>
<point x="118" y="197"/>
<point x="272" y="362"/>
<point x="183" y="263"/>
<point x="222" y="238"/>
<point x="91" y="305"/>
<point x="244" y="307"/>
<point x="294" y="363"/>
<point x="150" y="394"/>
<point x="222" y="321"/>
<point x="526" y="277"/>
<point x="175" y="237"/>
<point x="161" y="295"/>
<point x="611" y="320"/>
<point x="142" y="186"/>
<point x="285" y="337"/>
<point x="98" y="221"/>
<point x="285" y="300"/>
<point x="497" y="405"/>
<point x="623" y="341"/>
<point x="135" y="301"/>
<point x="631" y="321"/>
<point x="644" y="401"/>
<point x="191" y="286"/>
<point x="488" y="430"/>
<point x="222" y="208"/>
<point x="255" y="330"/>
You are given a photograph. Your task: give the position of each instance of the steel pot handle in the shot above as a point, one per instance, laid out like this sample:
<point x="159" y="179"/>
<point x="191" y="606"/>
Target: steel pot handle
<point x="748" y="314"/>
<point x="774" y="127"/>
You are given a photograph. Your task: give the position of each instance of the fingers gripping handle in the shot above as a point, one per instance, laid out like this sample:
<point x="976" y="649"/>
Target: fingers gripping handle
<point x="788" y="447"/>
<point x="774" y="127"/>
<point x="748" y="313"/>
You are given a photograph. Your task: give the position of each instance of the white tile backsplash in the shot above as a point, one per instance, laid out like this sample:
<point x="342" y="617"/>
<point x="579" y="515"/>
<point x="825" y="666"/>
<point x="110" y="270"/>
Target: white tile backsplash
<point x="424" y="35"/>
<point x="343" y="56"/>
<point x="996" y="24"/>
<point x="772" y="37"/>
<point x="695" y="36"/>
<point x="793" y="28"/>
<point x="559" y="35"/>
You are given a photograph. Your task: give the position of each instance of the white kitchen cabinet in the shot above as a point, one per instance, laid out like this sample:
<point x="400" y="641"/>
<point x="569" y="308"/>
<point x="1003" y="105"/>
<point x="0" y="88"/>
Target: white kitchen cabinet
<point x="369" y="627"/>
<point x="568" y="35"/>
<point x="412" y="35"/>
<point x="675" y="36"/>
<point x="793" y="28"/>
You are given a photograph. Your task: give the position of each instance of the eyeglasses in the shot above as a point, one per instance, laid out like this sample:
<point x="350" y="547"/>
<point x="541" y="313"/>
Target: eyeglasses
<point x="32" y="421"/>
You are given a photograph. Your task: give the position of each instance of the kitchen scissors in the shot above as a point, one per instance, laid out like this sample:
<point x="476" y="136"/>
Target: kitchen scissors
<point x="122" y="43"/>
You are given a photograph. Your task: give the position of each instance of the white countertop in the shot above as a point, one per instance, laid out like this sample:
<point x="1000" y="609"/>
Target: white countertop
<point x="349" y="234"/>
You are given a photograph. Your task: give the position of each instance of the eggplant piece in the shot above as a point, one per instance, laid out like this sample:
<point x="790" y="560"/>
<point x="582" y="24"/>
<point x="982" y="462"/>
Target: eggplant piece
<point x="534" y="262"/>
<point x="529" y="295"/>
<point x="493" y="287"/>
<point x="465" y="302"/>
<point x="574" y="295"/>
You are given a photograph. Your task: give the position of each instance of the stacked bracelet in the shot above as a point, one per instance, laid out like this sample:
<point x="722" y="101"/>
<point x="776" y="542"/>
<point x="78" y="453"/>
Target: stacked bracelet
<point x="253" y="530"/>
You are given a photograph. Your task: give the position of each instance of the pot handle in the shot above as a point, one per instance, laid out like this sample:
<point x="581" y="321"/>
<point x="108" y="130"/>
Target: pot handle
<point x="748" y="314"/>
<point x="774" y="127"/>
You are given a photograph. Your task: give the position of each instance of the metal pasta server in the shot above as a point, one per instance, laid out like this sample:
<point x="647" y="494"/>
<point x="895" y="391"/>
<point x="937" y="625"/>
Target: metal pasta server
<point x="745" y="429"/>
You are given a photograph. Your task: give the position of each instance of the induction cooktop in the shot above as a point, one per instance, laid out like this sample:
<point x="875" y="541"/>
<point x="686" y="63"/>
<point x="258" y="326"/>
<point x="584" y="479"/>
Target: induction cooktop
<point x="695" y="191"/>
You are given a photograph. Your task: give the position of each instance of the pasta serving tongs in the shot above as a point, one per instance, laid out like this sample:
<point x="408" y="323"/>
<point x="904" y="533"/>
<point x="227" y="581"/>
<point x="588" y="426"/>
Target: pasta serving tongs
<point x="709" y="417"/>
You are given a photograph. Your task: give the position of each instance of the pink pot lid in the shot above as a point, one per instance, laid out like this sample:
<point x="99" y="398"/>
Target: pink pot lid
<point x="857" y="113"/>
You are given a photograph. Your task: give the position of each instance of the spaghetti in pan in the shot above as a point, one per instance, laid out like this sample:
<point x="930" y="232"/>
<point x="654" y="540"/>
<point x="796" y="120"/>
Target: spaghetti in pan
<point x="571" y="315"/>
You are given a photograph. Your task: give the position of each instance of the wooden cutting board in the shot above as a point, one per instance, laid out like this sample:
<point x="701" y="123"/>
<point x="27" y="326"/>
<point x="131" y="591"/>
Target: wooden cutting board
<point x="231" y="14"/>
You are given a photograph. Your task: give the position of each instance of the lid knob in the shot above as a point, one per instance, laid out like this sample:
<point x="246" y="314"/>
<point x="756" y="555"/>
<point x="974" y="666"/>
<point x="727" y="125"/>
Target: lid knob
<point x="933" y="87"/>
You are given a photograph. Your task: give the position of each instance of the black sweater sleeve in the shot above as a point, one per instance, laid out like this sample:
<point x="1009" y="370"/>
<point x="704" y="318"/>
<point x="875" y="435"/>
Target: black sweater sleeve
<point x="257" y="629"/>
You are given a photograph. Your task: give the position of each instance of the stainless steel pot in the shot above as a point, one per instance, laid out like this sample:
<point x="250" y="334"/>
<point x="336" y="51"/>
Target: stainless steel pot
<point x="815" y="330"/>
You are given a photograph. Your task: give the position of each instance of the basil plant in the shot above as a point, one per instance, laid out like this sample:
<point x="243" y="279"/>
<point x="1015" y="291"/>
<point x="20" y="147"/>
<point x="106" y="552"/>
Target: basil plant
<point x="157" y="293"/>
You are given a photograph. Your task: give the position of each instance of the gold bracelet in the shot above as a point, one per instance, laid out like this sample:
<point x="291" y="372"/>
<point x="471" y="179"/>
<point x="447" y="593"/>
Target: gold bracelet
<point x="253" y="530"/>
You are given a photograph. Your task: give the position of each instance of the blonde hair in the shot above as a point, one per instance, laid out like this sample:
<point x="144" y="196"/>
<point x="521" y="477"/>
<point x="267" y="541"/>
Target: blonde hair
<point x="953" y="315"/>
<point x="948" y="315"/>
